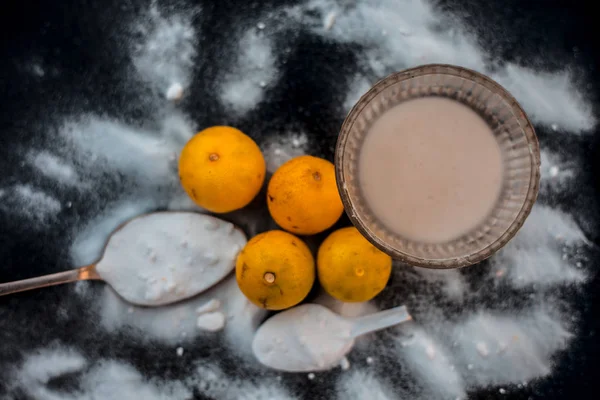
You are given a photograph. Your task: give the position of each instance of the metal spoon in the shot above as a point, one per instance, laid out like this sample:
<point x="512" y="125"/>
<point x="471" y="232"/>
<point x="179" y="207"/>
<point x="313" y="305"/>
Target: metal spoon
<point x="311" y="337"/>
<point x="156" y="259"/>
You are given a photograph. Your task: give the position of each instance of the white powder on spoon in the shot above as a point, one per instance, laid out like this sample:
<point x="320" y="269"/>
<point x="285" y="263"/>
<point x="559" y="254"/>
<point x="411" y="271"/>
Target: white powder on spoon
<point x="310" y="337"/>
<point x="162" y="258"/>
<point x="303" y="338"/>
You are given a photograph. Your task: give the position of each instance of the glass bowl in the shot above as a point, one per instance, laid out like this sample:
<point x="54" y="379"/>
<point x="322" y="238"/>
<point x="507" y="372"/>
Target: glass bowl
<point x="514" y="134"/>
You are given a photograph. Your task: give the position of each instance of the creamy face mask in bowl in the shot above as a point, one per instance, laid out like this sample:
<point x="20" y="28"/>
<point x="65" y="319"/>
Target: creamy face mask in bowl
<point x="438" y="166"/>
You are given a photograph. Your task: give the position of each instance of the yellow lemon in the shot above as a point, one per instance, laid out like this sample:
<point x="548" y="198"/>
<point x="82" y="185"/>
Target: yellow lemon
<point x="302" y="196"/>
<point x="350" y="268"/>
<point x="221" y="169"/>
<point x="275" y="270"/>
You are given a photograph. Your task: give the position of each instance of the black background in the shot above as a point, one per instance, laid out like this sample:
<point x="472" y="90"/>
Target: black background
<point x="79" y="38"/>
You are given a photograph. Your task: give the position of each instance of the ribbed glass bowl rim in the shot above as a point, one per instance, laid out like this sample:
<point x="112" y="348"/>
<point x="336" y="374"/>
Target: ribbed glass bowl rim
<point x="468" y="74"/>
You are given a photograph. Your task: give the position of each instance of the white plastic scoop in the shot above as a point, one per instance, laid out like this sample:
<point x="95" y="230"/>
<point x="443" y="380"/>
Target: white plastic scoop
<point x="311" y="337"/>
<point x="157" y="258"/>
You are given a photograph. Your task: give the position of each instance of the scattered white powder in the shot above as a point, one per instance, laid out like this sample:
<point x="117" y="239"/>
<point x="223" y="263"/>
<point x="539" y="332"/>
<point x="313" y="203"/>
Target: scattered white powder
<point x="116" y="380"/>
<point x="174" y="92"/>
<point x="211" y="322"/>
<point x="398" y="34"/>
<point x="31" y="203"/>
<point x="279" y="149"/>
<point x="311" y="376"/>
<point x="213" y="383"/>
<point x="163" y="50"/>
<point x="142" y="154"/>
<point x="54" y="167"/>
<point x="452" y="282"/>
<point x="329" y="21"/>
<point x="520" y="347"/>
<point x="430" y="351"/>
<point x="179" y="351"/>
<point x="345" y="364"/>
<point x="345" y="309"/>
<point x="104" y="380"/>
<point x="82" y="288"/>
<point x="535" y="255"/>
<point x="109" y="379"/>
<point x="182" y="202"/>
<point x="548" y="98"/>
<point x="430" y="362"/>
<point x="37" y="70"/>
<point x="361" y="385"/>
<point x="210" y="306"/>
<point x="358" y="86"/>
<point x="36" y="202"/>
<point x="165" y="257"/>
<point x="482" y="349"/>
<point x="556" y="173"/>
<point x="45" y="364"/>
<point x="175" y="323"/>
<point x="241" y="89"/>
<point x="166" y="48"/>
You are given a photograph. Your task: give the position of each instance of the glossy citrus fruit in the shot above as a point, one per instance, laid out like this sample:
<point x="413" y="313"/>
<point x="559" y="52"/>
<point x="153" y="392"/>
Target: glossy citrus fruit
<point x="221" y="169"/>
<point x="302" y="196"/>
<point x="275" y="270"/>
<point x="350" y="268"/>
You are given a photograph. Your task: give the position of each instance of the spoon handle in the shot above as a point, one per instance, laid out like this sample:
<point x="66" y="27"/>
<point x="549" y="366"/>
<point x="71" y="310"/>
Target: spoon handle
<point x="73" y="275"/>
<point x="379" y="320"/>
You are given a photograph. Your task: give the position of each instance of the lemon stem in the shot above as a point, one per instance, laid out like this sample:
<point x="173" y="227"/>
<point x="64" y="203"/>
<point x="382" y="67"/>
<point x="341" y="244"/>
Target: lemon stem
<point x="316" y="176"/>
<point x="269" y="277"/>
<point x="213" y="157"/>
